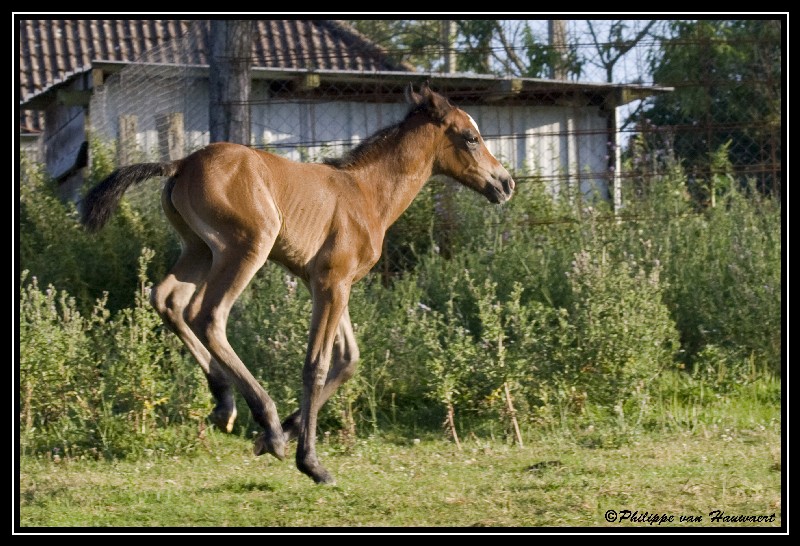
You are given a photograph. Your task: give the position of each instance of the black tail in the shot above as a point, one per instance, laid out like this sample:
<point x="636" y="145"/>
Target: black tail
<point x="102" y="200"/>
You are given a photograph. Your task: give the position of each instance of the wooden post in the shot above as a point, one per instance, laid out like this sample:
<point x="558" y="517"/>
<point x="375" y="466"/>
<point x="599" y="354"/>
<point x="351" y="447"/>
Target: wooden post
<point x="451" y="424"/>
<point x="614" y="164"/>
<point x="171" y="138"/>
<point x="127" y="151"/>
<point x="230" y="51"/>
<point x="448" y="30"/>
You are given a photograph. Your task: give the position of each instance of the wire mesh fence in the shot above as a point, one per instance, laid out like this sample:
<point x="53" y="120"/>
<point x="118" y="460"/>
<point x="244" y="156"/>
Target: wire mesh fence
<point x="726" y="82"/>
<point x="568" y="105"/>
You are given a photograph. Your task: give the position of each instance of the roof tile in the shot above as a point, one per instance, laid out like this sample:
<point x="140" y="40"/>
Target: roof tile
<point x="51" y="50"/>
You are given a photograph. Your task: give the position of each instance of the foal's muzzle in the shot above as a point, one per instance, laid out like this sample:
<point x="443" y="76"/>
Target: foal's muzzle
<point x="501" y="190"/>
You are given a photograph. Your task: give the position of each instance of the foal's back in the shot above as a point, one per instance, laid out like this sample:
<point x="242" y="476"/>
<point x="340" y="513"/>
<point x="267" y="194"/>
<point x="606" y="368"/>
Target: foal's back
<point x="232" y="195"/>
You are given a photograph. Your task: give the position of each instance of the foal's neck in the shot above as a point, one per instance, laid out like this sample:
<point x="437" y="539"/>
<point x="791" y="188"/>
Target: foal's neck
<point x="393" y="179"/>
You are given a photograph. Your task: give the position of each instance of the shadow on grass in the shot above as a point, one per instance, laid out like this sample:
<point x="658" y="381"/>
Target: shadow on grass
<point x="241" y="486"/>
<point x="33" y="496"/>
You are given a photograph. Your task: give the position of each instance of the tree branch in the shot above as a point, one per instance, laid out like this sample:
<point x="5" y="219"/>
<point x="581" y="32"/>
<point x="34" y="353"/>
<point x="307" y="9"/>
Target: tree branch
<point x="596" y="43"/>
<point x="504" y="61"/>
<point x="509" y="49"/>
<point x="632" y="116"/>
<point x="630" y="44"/>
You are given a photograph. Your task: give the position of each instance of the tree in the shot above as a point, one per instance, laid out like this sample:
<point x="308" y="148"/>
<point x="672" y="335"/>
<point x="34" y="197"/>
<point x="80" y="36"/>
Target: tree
<point x="612" y="40"/>
<point x="415" y="41"/>
<point x="727" y="77"/>
<point x="620" y="38"/>
<point x="485" y="46"/>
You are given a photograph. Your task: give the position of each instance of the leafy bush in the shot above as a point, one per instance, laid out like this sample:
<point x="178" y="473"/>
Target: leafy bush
<point x="572" y="314"/>
<point x="58" y="251"/>
<point x="624" y="335"/>
<point x="722" y="265"/>
<point x="100" y="384"/>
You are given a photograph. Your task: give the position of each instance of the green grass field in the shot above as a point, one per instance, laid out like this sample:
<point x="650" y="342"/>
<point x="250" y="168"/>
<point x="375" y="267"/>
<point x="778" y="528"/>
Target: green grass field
<point x="555" y="480"/>
<point x="643" y="358"/>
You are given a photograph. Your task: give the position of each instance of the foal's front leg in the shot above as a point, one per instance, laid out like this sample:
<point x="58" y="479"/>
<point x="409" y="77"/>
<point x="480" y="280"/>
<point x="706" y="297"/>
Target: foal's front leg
<point x="330" y="300"/>
<point x="343" y="365"/>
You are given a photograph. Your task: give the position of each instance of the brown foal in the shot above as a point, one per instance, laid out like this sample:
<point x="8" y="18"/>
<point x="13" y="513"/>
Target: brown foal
<point x="234" y="208"/>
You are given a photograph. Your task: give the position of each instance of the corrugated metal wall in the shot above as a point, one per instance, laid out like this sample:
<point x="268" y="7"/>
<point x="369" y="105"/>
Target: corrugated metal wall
<point x="561" y="144"/>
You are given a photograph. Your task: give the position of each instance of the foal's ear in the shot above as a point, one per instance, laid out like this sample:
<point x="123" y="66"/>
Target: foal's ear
<point x="412" y="97"/>
<point x="434" y="103"/>
<point x="438" y="106"/>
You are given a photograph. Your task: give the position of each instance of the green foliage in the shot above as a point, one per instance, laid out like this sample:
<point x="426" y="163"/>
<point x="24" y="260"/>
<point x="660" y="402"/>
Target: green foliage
<point x="269" y="328"/>
<point x="649" y="152"/>
<point x="725" y="268"/>
<point x="103" y="156"/>
<point x="722" y="265"/>
<point x="474" y="42"/>
<point x="102" y="385"/>
<point x="393" y="374"/>
<point x="52" y="342"/>
<point x="624" y="335"/>
<point x="58" y="251"/>
<point x="728" y="83"/>
<point x="415" y="41"/>
<point x="598" y="328"/>
<point x="542" y="57"/>
<point x="477" y="35"/>
<point x="410" y="237"/>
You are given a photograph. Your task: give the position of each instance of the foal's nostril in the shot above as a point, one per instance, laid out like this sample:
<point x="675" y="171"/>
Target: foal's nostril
<point x="508" y="185"/>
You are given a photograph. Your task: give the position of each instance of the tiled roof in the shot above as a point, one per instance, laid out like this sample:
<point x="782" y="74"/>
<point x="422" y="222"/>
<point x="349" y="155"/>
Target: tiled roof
<point x="53" y="50"/>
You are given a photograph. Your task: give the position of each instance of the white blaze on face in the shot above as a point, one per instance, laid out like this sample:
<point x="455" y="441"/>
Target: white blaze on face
<point x="474" y="124"/>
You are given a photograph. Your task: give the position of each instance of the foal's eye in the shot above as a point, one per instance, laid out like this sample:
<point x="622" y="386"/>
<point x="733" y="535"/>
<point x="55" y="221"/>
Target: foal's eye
<point x="471" y="139"/>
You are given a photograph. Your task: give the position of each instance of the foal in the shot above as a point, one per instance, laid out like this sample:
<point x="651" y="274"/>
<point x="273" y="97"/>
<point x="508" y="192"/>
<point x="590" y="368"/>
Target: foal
<point x="234" y="208"/>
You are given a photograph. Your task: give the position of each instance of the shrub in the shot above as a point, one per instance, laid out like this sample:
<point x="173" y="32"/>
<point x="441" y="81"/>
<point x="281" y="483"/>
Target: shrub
<point x="103" y="385"/>
<point x="573" y="310"/>
<point x="57" y="250"/>
<point x="624" y="335"/>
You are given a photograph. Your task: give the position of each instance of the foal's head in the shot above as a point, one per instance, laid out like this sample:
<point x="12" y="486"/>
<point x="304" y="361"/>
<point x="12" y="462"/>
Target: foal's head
<point x="463" y="154"/>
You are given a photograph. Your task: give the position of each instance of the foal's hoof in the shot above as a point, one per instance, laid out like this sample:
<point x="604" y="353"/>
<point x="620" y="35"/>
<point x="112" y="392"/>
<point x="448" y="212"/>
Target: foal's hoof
<point x="273" y="446"/>
<point x="223" y="418"/>
<point x="317" y="473"/>
<point x="325" y="479"/>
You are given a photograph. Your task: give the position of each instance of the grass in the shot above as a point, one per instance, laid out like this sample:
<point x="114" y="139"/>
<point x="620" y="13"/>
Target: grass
<point x="557" y="480"/>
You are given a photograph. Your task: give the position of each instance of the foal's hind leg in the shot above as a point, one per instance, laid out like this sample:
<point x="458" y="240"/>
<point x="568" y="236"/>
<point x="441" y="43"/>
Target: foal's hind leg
<point x="343" y="366"/>
<point x="232" y="269"/>
<point x="170" y="298"/>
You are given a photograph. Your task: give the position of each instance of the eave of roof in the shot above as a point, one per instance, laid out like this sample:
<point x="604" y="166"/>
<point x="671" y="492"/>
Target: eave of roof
<point x="492" y="87"/>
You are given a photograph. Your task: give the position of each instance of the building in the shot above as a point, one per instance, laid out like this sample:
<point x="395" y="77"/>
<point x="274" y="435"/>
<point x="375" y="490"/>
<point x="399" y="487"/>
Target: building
<point x="318" y="88"/>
